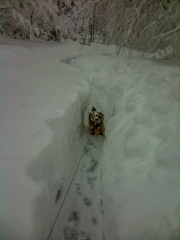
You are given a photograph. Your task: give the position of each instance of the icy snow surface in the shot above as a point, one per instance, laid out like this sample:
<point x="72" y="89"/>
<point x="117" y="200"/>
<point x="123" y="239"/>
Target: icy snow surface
<point x="127" y="184"/>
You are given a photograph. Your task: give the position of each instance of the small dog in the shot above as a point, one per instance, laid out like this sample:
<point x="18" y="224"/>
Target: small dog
<point x="96" y="124"/>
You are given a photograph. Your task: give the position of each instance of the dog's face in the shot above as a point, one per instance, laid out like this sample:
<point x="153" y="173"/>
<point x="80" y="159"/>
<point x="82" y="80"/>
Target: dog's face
<point x="96" y="117"/>
<point x="96" y="125"/>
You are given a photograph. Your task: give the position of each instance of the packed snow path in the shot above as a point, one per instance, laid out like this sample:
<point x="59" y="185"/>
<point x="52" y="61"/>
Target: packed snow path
<point x="81" y="214"/>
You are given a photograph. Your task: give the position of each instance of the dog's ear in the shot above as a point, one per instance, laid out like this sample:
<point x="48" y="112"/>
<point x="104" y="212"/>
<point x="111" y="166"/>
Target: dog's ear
<point x="93" y="109"/>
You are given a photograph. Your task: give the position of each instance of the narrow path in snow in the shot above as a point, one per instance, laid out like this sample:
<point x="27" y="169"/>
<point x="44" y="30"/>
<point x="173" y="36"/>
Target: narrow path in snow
<point x="81" y="214"/>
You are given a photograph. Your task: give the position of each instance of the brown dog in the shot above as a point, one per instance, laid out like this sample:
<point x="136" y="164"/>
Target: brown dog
<point x="96" y="124"/>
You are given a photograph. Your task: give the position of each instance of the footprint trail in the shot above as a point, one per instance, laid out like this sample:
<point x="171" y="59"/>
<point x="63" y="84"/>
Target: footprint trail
<point x="81" y="217"/>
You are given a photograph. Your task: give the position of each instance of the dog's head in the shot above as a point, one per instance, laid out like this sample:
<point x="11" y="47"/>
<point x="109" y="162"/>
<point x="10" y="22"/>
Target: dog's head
<point x="96" y="117"/>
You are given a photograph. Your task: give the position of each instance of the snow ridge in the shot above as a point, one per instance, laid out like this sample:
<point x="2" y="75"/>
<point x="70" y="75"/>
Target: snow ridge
<point x="140" y="155"/>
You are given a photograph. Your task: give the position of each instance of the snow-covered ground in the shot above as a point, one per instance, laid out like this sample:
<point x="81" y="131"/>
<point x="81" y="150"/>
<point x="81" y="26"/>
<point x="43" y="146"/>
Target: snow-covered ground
<point x="47" y="91"/>
<point x="42" y="105"/>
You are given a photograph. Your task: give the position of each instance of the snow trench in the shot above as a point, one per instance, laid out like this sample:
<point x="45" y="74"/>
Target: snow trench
<point x="139" y="184"/>
<point x="55" y="166"/>
<point x="81" y="216"/>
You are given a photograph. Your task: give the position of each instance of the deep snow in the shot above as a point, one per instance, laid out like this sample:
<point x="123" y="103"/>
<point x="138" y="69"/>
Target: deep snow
<point x="141" y="154"/>
<point x="47" y="92"/>
<point x="42" y="108"/>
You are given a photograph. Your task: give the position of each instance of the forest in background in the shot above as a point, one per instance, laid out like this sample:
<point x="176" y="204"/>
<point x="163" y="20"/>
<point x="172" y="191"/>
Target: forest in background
<point x="143" y="25"/>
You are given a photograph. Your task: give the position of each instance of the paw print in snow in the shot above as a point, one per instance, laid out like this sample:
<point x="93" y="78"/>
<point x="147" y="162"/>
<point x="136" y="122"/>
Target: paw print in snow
<point x="74" y="217"/>
<point x="87" y="202"/>
<point x="91" y="181"/>
<point x="93" y="167"/>
<point x="78" y="189"/>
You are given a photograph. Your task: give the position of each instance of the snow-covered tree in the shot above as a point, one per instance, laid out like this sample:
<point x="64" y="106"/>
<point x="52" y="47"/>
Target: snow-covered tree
<point x="49" y="19"/>
<point x="78" y="18"/>
<point x="30" y="17"/>
<point x="145" y="25"/>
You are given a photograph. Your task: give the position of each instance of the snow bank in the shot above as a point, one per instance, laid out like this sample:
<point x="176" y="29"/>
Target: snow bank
<point x="141" y="159"/>
<point x="143" y="155"/>
<point x="42" y="112"/>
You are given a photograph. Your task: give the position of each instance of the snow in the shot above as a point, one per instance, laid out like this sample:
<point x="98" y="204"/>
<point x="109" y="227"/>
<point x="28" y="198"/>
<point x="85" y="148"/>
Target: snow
<point x="47" y="91"/>
<point x="42" y="109"/>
